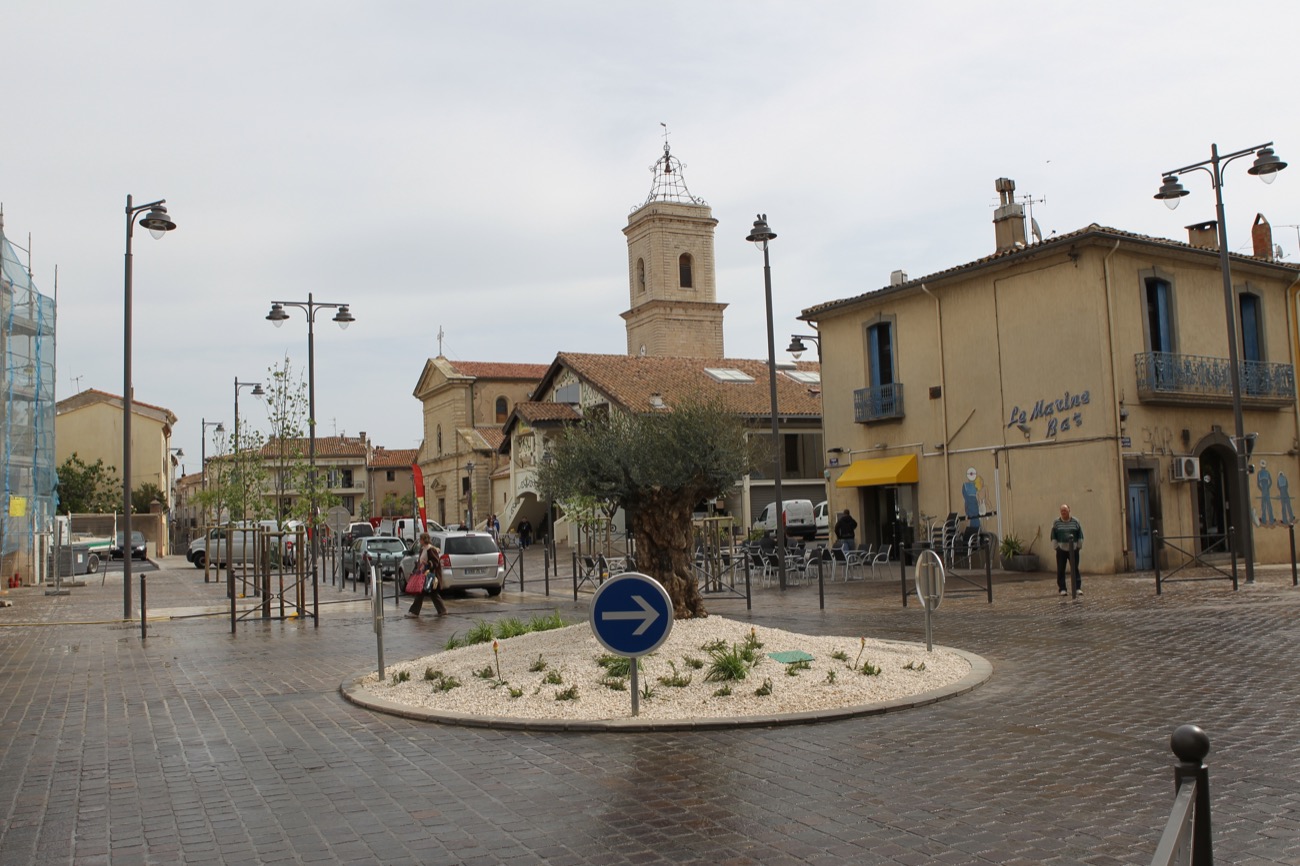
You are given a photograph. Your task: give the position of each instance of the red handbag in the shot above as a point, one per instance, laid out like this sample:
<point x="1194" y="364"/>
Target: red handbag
<point x="415" y="583"/>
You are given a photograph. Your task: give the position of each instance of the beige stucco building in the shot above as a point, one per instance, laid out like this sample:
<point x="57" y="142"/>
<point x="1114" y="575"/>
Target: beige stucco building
<point x="1090" y="368"/>
<point x="90" y="425"/>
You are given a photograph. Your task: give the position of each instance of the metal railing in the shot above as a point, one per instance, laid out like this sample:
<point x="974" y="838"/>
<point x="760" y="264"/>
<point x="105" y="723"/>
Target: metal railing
<point x="1199" y="379"/>
<point x="1186" y="840"/>
<point x="1220" y="544"/>
<point x="878" y="404"/>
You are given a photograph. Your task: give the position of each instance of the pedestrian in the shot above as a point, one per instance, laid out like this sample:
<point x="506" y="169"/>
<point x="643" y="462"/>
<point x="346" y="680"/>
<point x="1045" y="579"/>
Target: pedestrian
<point x="1067" y="538"/>
<point x="845" y="528"/>
<point x="428" y="567"/>
<point x="525" y="530"/>
<point x="494" y="526"/>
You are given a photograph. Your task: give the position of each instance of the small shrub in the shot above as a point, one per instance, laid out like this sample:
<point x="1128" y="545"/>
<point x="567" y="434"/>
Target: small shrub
<point x="569" y="694"/>
<point x="676" y="680"/>
<point x="553" y="678"/>
<point x="752" y="642"/>
<point x="538" y="666"/>
<point x="546" y="622"/>
<point x="764" y="690"/>
<point x="617" y="666"/>
<point x="614" y="684"/>
<point x="869" y="670"/>
<point x="792" y="669"/>
<point x="401" y="677"/>
<point x="445" y="684"/>
<point x="714" y="646"/>
<point x="647" y="692"/>
<point x="728" y="664"/>
<point x="454" y="642"/>
<point x="516" y="693"/>
<point x="913" y="666"/>
<point x="480" y="632"/>
<point x="693" y="663"/>
<point x="510" y="627"/>
<point x="722" y="692"/>
<point x="486" y="673"/>
<point x="431" y="674"/>
<point x="830" y="678"/>
<point x="840" y="656"/>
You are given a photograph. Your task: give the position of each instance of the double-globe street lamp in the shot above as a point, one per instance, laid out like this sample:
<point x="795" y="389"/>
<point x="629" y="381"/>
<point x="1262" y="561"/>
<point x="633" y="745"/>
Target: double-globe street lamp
<point x="243" y="481"/>
<point x="1265" y="167"/>
<point x="759" y="235"/>
<point x="342" y="317"/>
<point x="158" y="223"/>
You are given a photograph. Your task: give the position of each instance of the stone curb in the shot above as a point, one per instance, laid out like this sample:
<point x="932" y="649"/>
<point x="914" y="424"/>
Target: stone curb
<point x="981" y="670"/>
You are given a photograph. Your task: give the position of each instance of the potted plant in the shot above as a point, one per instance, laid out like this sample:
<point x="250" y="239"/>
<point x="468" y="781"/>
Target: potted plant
<point x="1015" y="556"/>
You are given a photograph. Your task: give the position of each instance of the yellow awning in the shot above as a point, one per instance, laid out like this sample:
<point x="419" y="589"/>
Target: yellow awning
<point x="879" y="470"/>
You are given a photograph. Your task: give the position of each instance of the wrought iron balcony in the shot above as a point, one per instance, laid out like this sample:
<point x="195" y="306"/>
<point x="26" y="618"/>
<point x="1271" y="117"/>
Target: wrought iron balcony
<point x="1195" y="380"/>
<point x="882" y="403"/>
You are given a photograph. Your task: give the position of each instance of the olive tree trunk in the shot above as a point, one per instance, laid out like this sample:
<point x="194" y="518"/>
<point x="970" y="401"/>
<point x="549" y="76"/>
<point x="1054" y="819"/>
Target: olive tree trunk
<point x="663" y="532"/>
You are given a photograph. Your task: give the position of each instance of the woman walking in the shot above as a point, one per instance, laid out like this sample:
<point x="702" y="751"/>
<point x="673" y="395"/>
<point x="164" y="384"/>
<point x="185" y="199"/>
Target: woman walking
<point x="428" y="570"/>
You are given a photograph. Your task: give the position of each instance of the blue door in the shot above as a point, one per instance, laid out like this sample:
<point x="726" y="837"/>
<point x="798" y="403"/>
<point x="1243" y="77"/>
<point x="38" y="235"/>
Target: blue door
<point x="1139" y="522"/>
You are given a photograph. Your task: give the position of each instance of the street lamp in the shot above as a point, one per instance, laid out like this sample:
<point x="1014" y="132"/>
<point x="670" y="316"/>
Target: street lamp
<point x="158" y="223"/>
<point x="1265" y="167"/>
<point x="243" y="489"/>
<point x="203" y="461"/>
<point x="759" y="235"/>
<point x="469" y="487"/>
<point x="796" y="348"/>
<point x="343" y="318"/>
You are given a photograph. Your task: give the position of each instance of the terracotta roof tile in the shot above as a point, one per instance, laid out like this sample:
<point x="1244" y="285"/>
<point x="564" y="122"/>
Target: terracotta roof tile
<point x="498" y="370"/>
<point x="535" y="413"/>
<point x="401" y="458"/>
<point x="326" y="446"/>
<point x="94" y="395"/>
<point x="493" y="436"/>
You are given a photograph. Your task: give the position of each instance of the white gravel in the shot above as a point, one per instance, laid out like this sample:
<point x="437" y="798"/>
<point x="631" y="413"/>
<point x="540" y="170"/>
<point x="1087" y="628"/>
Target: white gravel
<point x="522" y="692"/>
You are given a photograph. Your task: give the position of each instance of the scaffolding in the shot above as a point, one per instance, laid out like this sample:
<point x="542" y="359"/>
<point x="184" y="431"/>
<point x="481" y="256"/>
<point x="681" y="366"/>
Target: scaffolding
<point x="27" y="320"/>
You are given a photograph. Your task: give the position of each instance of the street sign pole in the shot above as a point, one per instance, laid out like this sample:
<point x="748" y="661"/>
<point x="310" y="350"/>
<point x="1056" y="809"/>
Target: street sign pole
<point x="631" y="615"/>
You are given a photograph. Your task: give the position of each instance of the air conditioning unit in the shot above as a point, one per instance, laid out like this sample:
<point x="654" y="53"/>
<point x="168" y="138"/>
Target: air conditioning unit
<point x="1187" y="469"/>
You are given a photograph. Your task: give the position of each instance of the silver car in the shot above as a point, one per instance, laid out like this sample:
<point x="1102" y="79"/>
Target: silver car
<point x="384" y="552"/>
<point x="470" y="560"/>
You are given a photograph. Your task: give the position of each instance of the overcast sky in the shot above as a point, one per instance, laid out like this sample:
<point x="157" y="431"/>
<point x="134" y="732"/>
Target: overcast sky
<point x="470" y="166"/>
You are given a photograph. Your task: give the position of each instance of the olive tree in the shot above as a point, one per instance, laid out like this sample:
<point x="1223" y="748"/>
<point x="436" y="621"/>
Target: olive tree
<point x="657" y="467"/>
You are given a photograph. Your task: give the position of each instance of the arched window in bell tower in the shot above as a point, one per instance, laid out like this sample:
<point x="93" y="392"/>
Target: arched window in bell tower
<point x="503" y="410"/>
<point x="684" y="271"/>
<point x="640" y="276"/>
<point x="439" y="440"/>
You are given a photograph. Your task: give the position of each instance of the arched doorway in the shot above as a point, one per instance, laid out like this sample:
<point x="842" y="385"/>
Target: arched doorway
<point x="1216" y="494"/>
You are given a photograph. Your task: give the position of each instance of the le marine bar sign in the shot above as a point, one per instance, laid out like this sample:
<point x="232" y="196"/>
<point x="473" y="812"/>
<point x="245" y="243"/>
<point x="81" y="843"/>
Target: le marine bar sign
<point x="1061" y="413"/>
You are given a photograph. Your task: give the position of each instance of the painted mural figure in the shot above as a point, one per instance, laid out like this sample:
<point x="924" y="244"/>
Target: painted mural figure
<point x="1264" y="479"/>
<point x="1284" y="496"/>
<point x="971" y="495"/>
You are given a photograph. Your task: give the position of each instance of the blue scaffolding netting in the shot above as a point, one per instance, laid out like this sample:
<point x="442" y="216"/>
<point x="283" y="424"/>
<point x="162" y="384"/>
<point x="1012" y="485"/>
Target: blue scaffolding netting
<point x="27" y="320"/>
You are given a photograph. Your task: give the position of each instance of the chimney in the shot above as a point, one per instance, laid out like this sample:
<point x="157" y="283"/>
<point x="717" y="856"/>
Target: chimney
<point x="1204" y="235"/>
<point x="1009" y="218"/>
<point x="897" y="278"/>
<point x="1262" y="235"/>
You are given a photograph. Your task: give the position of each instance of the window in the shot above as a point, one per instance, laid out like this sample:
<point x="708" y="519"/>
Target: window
<point x="390" y="475"/>
<point x="347" y="477"/>
<point x="439" y="440"/>
<point x="640" y="275"/>
<point x="570" y="393"/>
<point x="807" y="377"/>
<point x="1160" y="314"/>
<point x="1252" y="331"/>
<point x="684" y="275"/>
<point x="880" y="354"/>
<point x="722" y="374"/>
<point x="503" y="410"/>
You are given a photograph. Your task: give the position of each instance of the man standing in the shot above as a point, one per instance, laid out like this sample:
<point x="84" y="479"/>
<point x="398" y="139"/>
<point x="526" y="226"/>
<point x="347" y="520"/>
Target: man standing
<point x="845" y="528"/>
<point x="1067" y="538"/>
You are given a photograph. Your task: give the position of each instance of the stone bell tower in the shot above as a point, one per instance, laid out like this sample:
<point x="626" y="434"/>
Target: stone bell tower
<point x="674" y="311"/>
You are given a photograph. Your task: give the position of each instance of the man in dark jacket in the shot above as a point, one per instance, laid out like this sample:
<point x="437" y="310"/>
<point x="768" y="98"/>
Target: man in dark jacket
<point x="845" y="528"/>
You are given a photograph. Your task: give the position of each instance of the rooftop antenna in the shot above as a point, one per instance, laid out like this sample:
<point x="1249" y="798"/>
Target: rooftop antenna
<point x="1297" y="233"/>
<point x="440" y="336"/>
<point x="76" y="380"/>
<point x="1029" y="201"/>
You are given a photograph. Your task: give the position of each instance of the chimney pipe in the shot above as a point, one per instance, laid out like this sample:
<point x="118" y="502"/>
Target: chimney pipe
<point x="1009" y="218"/>
<point x="1204" y="234"/>
<point x="1261" y="233"/>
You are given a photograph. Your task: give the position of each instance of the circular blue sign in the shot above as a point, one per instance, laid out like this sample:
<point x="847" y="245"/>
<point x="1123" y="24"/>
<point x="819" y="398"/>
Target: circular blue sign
<point x="631" y="614"/>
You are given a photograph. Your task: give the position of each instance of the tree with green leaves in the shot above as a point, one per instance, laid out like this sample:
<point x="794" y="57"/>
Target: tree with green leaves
<point x="293" y="482"/>
<point x="86" y="488"/>
<point x="143" y="497"/>
<point x="397" y="504"/>
<point x="657" y="467"/>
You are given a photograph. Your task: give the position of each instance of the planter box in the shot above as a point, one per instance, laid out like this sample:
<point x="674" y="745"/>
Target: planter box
<point x="1022" y="562"/>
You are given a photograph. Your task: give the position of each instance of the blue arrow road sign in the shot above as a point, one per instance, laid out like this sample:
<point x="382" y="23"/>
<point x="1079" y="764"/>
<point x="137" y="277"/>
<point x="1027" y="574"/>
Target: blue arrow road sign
<point x="631" y="614"/>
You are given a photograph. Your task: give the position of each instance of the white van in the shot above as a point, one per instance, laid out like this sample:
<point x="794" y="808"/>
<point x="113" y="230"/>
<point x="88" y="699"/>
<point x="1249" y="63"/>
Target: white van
<point x="798" y="515"/>
<point x="822" y="519"/>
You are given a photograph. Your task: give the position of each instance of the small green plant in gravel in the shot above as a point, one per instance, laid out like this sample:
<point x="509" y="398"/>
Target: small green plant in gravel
<point x="511" y="626"/>
<point x="614" y="684"/>
<point x="765" y="689"/>
<point x="913" y="666"/>
<point x="869" y="670"/>
<point x="569" y="694"/>
<point x="401" y="677"/>
<point x="862" y="645"/>
<point x="830" y="678"/>
<point x="431" y="674"/>
<point x="714" y="646"/>
<point x="546" y="622"/>
<point x="693" y="663"/>
<point x="617" y="666"/>
<point x="553" y="678"/>
<point x="485" y="673"/>
<point x="647" y="692"/>
<point x="480" y="632"/>
<point x="723" y="692"/>
<point x="454" y="642"/>
<point x="840" y="656"/>
<point x="792" y="669"/>
<point x="752" y="642"/>
<point x="728" y="664"/>
<point x="516" y="693"/>
<point x="538" y="666"/>
<point x="676" y="680"/>
<point x="443" y="683"/>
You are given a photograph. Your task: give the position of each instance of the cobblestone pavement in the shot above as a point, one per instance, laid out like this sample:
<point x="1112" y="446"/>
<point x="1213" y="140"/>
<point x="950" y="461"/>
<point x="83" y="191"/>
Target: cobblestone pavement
<point x="200" y="746"/>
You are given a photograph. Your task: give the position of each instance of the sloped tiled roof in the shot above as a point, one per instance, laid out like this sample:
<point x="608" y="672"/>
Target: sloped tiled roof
<point x="540" y="413"/>
<point x="631" y="380"/>
<point x="1092" y="233"/>
<point x="402" y="458"/>
<point x="498" y="370"/>
<point x="326" y="446"/>
<point x="94" y="395"/>
<point x="493" y="436"/>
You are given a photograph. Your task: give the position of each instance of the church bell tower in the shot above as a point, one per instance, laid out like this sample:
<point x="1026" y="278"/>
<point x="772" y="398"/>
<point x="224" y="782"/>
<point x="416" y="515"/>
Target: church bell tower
<point x="674" y="311"/>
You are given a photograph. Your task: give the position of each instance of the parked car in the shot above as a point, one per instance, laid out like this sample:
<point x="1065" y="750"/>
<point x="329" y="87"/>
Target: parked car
<point x="822" y="519"/>
<point x="798" y="518"/>
<point x="360" y="529"/>
<point x="383" y="551"/>
<point x="138" y="546"/>
<point x="470" y="560"/>
<point x="244" y="541"/>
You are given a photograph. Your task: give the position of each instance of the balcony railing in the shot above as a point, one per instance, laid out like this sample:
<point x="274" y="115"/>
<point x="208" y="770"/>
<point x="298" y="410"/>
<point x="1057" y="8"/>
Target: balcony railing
<point x="878" y="404"/>
<point x="1196" y="380"/>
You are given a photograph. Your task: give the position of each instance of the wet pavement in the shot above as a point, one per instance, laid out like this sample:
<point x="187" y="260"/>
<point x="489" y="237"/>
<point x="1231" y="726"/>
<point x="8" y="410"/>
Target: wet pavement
<point x="202" y="746"/>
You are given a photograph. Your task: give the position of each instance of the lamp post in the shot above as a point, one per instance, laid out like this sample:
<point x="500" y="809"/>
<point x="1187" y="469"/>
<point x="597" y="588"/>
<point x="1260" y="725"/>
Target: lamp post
<point x="243" y="488"/>
<point x="797" y="348"/>
<point x="759" y="235"/>
<point x="1265" y="167"/>
<point x="343" y="318"/>
<point x="158" y="223"/>
<point x="469" y="487"/>
<point x="203" y="462"/>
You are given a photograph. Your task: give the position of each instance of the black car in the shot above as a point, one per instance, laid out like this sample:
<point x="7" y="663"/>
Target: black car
<point x="138" y="547"/>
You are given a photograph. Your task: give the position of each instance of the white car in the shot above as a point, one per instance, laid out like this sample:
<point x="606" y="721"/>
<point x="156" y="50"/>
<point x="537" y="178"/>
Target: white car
<point x="470" y="560"/>
<point x="798" y="519"/>
<point x="822" y="518"/>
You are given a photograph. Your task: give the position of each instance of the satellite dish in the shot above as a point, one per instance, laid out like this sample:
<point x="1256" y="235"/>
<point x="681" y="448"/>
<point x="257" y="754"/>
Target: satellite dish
<point x="1277" y="252"/>
<point x="1038" y="233"/>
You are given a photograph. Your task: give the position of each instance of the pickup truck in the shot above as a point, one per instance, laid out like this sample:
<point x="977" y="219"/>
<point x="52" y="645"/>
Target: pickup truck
<point x="243" y="545"/>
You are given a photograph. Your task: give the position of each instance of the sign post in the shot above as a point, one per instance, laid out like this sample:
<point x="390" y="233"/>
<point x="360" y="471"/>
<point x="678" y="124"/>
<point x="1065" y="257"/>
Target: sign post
<point x="929" y="589"/>
<point x="631" y="615"/>
<point x="377" y="603"/>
